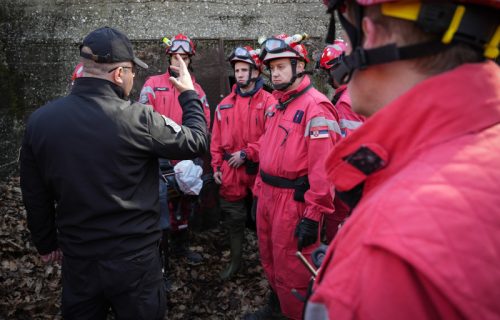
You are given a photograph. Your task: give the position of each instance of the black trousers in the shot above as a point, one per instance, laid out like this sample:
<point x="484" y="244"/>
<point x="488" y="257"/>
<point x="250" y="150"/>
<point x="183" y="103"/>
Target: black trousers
<point x="132" y="287"/>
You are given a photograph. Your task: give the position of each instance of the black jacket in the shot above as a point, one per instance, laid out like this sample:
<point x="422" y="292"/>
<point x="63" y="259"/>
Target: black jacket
<point x="89" y="169"/>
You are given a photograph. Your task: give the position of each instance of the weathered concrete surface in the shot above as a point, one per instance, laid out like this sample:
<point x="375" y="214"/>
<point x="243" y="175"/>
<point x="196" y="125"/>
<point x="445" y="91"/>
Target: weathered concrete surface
<point x="39" y="42"/>
<point x="143" y="19"/>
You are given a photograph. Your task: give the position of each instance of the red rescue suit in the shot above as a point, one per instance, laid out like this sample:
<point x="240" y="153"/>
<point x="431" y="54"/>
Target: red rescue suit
<point x="295" y="144"/>
<point x="163" y="96"/>
<point x="349" y="121"/>
<point x="238" y="124"/>
<point x="423" y="241"/>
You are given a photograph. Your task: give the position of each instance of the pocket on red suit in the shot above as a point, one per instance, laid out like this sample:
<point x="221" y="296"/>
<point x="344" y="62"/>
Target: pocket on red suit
<point x="232" y="187"/>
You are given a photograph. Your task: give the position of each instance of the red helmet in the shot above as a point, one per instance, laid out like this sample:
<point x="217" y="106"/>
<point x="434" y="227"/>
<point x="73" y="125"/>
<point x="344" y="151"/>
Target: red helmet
<point x="246" y="54"/>
<point x="284" y="46"/>
<point x="78" y="72"/>
<point x="180" y="44"/>
<point x="332" y="53"/>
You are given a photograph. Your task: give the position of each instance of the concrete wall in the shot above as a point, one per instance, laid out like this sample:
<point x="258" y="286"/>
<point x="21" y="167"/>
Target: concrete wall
<point x="39" y="43"/>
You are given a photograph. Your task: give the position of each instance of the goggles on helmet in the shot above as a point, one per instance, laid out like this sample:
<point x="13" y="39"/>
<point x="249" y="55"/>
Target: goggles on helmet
<point x="274" y="45"/>
<point x="183" y="45"/>
<point x="240" y="53"/>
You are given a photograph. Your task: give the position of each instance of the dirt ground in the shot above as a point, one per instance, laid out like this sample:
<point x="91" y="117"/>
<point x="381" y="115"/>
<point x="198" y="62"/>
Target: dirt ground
<point x="29" y="289"/>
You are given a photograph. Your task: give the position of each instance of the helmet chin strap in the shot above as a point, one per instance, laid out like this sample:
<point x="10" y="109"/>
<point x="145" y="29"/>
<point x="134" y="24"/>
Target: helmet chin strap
<point x="249" y="80"/>
<point x="284" y="86"/>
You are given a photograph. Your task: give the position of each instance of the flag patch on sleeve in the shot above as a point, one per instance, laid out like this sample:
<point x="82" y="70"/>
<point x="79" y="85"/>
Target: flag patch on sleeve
<point x="318" y="132"/>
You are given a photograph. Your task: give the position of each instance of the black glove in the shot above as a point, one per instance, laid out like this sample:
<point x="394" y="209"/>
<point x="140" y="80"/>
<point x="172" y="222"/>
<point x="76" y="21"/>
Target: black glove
<point x="307" y="232"/>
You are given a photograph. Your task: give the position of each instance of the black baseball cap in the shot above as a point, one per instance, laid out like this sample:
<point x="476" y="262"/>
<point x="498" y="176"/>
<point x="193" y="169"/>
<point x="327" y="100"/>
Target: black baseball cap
<point x="109" y="45"/>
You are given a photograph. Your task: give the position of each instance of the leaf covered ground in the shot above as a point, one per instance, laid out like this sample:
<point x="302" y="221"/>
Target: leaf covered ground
<point x="30" y="289"/>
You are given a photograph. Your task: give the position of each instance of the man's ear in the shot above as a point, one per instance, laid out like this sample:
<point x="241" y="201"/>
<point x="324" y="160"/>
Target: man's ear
<point x="369" y="33"/>
<point x="255" y="73"/>
<point x="301" y="66"/>
<point x="118" y="75"/>
<point x="374" y="35"/>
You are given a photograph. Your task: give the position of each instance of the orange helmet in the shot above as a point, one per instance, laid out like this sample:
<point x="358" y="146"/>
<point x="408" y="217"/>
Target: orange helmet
<point x="180" y="44"/>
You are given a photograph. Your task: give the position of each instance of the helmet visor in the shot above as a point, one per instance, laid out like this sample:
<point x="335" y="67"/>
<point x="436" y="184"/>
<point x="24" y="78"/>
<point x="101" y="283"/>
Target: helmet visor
<point x="240" y="53"/>
<point x="275" y="45"/>
<point x="183" y="45"/>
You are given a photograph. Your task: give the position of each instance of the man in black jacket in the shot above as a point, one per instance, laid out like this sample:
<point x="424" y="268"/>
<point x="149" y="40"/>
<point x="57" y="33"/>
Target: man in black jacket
<point x="89" y="177"/>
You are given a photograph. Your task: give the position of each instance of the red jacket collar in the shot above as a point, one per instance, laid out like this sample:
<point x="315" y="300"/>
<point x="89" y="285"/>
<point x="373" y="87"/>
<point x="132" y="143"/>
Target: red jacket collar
<point x="431" y="112"/>
<point x="283" y="96"/>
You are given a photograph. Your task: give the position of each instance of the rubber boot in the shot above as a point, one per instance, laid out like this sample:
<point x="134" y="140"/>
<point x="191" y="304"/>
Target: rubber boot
<point x="236" y="247"/>
<point x="271" y="310"/>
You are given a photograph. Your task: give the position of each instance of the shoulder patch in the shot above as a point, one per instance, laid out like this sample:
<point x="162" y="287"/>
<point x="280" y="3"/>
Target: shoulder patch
<point x="297" y="118"/>
<point x="172" y="124"/>
<point x="318" y="133"/>
<point x="225" y="106"/>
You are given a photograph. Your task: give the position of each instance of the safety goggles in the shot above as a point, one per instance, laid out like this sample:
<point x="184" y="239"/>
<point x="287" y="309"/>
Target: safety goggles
<point x="183" y="45"/>
<point x="274" y="45"/>
<point x="240" y="53"/>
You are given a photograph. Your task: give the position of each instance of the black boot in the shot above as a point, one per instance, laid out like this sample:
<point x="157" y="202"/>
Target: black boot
<point x="271" y="311"/>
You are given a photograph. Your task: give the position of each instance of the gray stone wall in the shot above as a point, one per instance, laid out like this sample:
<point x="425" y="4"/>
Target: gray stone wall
<point x="39" y="42"/>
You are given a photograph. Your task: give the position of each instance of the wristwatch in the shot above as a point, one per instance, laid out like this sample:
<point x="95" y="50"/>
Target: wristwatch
<point x="243" y="155"/>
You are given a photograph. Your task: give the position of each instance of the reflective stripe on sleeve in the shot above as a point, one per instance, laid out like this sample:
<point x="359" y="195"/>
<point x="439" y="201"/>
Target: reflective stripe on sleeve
<point x="217" y="112"/>
<point x="143" y="98"/>
<point x="350" y="124"/>
<point x="322" y="122"/>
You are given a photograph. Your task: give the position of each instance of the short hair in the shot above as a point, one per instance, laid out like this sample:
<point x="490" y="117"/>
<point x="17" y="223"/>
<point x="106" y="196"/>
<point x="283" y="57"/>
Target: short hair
<point x="93" y="68"/>
<point x="409" y="33"/>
